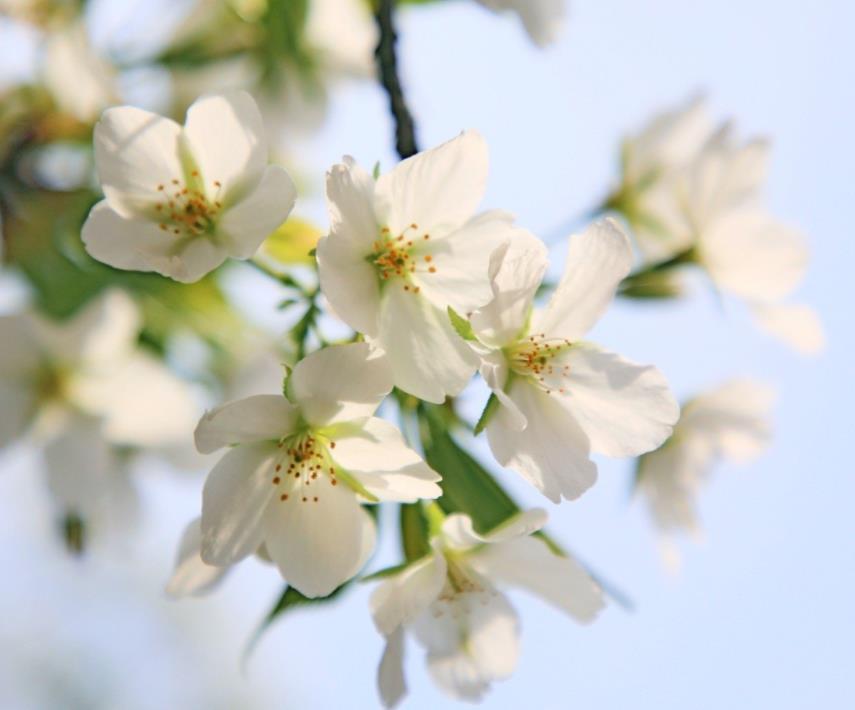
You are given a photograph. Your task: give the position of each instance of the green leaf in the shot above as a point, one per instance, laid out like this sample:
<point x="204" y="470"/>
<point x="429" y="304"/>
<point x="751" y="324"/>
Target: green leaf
<point x="490" y="409"/>
<point x="375" y="173"/>
<point x="461" y="325"/>
<point x="415" y="539"/>
<point x="385" y="572"/>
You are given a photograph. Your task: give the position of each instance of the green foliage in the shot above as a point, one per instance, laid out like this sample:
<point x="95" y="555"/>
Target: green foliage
<point x="461" y="325"/>
<point x="414" y="532"/>
<point x="490" y="410"/>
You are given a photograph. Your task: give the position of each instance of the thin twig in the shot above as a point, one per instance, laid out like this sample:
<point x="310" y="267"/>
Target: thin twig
<point x="387" y="63"/>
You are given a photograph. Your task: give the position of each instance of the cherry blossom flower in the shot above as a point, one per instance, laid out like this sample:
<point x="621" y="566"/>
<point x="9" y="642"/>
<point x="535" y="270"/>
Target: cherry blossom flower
<point x="451" y="603"/>
<point x="730" y="422"/>
<point x="181" y="200"/>
<point x="403" y="249"/>
<point x="82" y="388"/>
<point x="542" y="19"/>
<point x="299" y="470"/>
<point x="559" y="397"/>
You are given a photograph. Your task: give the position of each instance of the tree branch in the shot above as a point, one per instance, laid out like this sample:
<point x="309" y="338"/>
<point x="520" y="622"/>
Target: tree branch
<point x="387" y="64"/>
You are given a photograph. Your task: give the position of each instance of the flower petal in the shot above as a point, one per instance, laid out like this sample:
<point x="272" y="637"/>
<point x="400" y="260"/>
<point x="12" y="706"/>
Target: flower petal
<point x="163" y="410"/>
<point x="191" y="576"/>
<point x="244" y="226"/>
<point x="340" y="383"/>
<point x="472" y="639"/>
<point x="234" y="499"/>
<point x="398" y="600"/>
<point x="515" y="273"/>
<point x="552" y="453"/>
<point x="390" y="675"/>
<point x="319" y="539"/>
<point x="542" y="19"/>
<point x="350" y="199"/>
<point x="262" y="417"/>
<point x="528" y="563"/>
<point x="753" y="256"/>
<point x="379" y="458"/>
<point x="225" y="133"/>
<point x="438" y="189"/>
<point x="429" y="360"/>
<point x="625" y="409"/>
<point x="597" y="260"/>
<point x="461" y="261"/>
<point x="349" y="282"/>
<point x="141" y="245"/>
<point x="135" y="152"/>
<point x="669" y="478"/>
<point x="457" y="530"/>
<point x="19" y="406"/>
<point x="797" y="325"/>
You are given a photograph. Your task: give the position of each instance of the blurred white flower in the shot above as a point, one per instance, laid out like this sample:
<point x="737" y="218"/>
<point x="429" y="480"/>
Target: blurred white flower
<point x="450" y="602"/>
<point x="181" y="200"/>
<point x="560" y="398"/>
<point x="403" y="249"/>
<point x="730" y="422"/>
<point x="191" y="575"/>
<point x="543" y="19"/>
<point x="692" y="193"/>
<point x="83" y="388"/>
<point x="301" y="468"/>
<point x="81" y="82"/>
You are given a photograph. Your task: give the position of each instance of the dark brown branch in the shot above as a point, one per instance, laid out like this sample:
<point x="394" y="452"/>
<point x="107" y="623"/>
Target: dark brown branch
<point x="387" y="64"/>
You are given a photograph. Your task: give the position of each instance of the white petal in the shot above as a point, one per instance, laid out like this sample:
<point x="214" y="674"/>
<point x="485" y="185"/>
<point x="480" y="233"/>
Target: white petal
<point x="21" y="349"/>
<point x="245" y="225"/>
<point x="225" y="133"/>
<point x="18" y="406"/>
<point x="597" y="260"/>
<point x="733" y="419"/>
<point x="552" y="453"/>
<point x="350" y="199"/>
<point x="429" y="360"/>
<point x="461" y="260"/>
<point x="438" y="189"/>
<point x="669" y="478"/>
<point x="516" y="271"/>
<point x="390" y="675"/>
<point x="234" y="499"/>
<point x="624" y="408"/>
<point x="135" y="151"/>
<point x="100" y="334"/>
<point x="262" y="417"/>
<point x="141" y="245"/>
<point x="376" y="455"/>
<point x="799" y="326"/>
<point x="398" y="600"/>
<point x="494" y="370"/>
<point x="142" y="402"/>
<point x="542" y="19"/>
<point x="191" y="576"/>
<point x="349" y="282"/>
<point x="340" y="383"/>
<point x="528" y="563"/>
<point x="82" y="472"/>
<point x="472" y="639"/>
<point x="319" y="537"/>
<point x="458" y="533"/>
<point x="753" y="256"/>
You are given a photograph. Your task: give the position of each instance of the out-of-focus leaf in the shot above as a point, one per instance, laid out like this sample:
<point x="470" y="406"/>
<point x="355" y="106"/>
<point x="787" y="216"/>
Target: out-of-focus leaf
<point x="490" y="409"/>
<point x="293" y="242"/>
<point x="414" y="532"/>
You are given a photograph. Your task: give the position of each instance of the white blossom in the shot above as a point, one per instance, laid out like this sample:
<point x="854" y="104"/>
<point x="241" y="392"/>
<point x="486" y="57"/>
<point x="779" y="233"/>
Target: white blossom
<point x="403" y="249"/>
<point x="181" y="200"/>
<point x="730" y="422"/>
<point x="450" y="601"/>
<point x="299" y="470"/>
<point x="543" y="19"/>
<point x="81" y="388"/>
<point x="560" y="397"/>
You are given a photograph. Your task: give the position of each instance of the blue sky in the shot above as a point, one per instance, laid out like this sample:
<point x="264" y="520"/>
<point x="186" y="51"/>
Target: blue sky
<point x="761" y="613"/>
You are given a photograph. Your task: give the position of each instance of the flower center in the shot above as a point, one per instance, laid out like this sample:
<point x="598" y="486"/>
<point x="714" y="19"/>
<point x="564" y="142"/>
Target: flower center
<point x="303" y="460"/>
<point x="535" y="357"/>
<point x="399" y="256"/>
<point x="185" y="209"/>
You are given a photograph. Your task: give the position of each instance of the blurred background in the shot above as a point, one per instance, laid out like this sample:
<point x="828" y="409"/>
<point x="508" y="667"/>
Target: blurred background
<point x="759" y="612"/>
